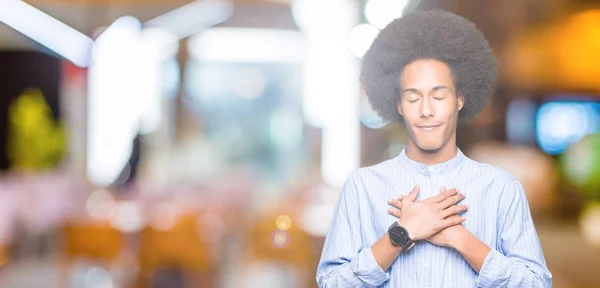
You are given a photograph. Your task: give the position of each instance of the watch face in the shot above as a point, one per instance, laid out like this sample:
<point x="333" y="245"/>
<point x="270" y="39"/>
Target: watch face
<point x="398" y="235"/>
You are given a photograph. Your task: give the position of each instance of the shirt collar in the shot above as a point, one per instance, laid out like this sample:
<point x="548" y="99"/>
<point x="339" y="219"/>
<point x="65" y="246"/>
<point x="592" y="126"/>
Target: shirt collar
<point x="436" y="169"/>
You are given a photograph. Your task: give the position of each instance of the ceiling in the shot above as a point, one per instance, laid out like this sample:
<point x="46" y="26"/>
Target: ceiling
<point x="87" y="16"/>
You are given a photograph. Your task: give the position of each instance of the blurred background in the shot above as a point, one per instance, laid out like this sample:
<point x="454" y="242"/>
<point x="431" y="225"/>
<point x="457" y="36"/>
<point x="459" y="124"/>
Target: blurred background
<point x="204" y="143"/>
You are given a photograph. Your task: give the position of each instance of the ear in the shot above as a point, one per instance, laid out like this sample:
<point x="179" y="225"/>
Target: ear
<point x="461" y="102"/>
<point x="398" y="106"/>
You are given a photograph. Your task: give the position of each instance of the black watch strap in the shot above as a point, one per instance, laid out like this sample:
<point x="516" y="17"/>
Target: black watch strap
<point x="399" y="236"/>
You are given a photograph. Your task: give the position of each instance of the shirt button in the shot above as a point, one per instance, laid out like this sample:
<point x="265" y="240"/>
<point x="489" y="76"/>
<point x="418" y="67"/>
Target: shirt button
<point x="431" y="170"/>
<point x="425" y="265"/>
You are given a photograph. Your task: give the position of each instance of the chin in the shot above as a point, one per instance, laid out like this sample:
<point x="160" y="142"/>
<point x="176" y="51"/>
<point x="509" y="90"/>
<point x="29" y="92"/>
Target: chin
<point x="429" y="147"/>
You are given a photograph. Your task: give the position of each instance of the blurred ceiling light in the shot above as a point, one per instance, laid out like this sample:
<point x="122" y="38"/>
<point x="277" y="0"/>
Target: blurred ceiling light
<point x="193" y="17"/>
<point x="112" y="102"/>
<point x="330" y="94"/>
<point x="46" y="30"/>
<point x="361" y="38"/>
<point x="159" y="43"/>
<point x="247" y="45"/>
<point x="381" y="12"/>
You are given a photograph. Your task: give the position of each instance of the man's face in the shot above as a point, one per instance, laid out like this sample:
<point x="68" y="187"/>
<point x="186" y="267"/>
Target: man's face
<point x="429" y="104"/>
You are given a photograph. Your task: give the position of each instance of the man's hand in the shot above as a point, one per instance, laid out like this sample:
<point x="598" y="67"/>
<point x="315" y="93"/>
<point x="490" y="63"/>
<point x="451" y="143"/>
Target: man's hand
<point x="422" y="219"/>
<point x="451" y="236"/>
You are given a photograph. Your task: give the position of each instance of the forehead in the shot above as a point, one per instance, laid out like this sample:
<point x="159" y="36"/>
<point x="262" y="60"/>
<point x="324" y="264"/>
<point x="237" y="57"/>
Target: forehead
<point x="426" y="74"/>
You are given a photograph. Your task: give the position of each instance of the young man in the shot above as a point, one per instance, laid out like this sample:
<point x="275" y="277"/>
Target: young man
<point x="429" y="70"/>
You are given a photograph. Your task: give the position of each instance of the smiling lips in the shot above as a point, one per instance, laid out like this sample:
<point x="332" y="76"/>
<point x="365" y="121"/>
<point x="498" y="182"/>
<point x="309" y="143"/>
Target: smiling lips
<point x="429" y="127"/>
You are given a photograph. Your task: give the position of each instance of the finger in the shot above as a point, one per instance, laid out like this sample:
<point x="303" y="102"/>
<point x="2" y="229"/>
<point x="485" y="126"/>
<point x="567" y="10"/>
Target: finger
<point x="453" y="210"/>
<point x="394" y="212"/>
<point x="452" y="221"/>
<point x="451" y="201"/>
<point x="395" y="203"/>
<point x="444" y="195"/>
<point x="412" y="196"/>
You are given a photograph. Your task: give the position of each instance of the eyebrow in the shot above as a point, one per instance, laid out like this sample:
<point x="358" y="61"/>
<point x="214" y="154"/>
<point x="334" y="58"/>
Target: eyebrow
<point x="414" y="90"/>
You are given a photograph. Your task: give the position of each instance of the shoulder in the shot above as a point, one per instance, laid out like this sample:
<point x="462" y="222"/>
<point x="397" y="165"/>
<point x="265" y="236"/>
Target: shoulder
<point x="491" y="172"/>
<point x="499" y="179"/>
<point x="380" y="172"/>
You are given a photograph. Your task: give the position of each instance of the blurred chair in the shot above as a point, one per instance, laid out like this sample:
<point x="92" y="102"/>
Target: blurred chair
<point x="177" y="250"/>
<point x="94" y="241"/>
<point x="271" y="251"/>
<point x="3" y="256"/>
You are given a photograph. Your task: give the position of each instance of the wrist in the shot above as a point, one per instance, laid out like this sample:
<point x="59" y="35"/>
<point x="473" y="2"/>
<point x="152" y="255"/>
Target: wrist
<point x="461" y="243"/>
<point x="410" y="229"/>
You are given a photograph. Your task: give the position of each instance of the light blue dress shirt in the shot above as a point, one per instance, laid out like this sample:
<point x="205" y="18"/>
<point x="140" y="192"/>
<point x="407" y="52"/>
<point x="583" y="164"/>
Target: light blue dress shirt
<point x="498" y="215"/>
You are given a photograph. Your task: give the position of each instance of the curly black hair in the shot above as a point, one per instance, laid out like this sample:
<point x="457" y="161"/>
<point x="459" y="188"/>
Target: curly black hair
<point x="431" y="34"/>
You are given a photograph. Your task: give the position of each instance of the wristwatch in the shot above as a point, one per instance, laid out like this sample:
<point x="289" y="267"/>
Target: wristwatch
<point x="399" y="237"/>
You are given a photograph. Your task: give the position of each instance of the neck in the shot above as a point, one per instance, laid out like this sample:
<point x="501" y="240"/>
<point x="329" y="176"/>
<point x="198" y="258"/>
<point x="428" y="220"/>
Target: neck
<point x="445" y="153"/>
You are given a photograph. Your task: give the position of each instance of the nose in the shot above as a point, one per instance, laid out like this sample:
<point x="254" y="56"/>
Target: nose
<point x="427" y="109"/>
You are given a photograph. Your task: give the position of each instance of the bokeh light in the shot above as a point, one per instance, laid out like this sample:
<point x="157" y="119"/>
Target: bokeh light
<point x="381" y="12"/>
<point x="368" y="116"/>
<point x="283" y="222"/>
<point x="581" y="165"/>
<point x="128" y="217"/>
<point x="560" y="124"/>
<point x="589" y="223"/>
<point x="98" y="277"/>
<point x="164" y="216"/>
<point x="100" y="205"/>
<point x="361" y="38"/>
<point x="280" y="239"/>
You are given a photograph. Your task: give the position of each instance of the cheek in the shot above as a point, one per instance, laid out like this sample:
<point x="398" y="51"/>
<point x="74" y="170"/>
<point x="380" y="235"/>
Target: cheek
<point x="409" y="112"/>
<point x="447" y="110"/>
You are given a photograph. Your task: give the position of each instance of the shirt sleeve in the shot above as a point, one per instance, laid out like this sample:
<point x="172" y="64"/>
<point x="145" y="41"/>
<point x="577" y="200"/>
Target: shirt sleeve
<point x="345" y="261"/>
<point x="518" y="260"/>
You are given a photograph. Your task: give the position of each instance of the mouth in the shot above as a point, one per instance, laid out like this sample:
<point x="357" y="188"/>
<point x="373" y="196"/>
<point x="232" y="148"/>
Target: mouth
<point x="429" y="127"/>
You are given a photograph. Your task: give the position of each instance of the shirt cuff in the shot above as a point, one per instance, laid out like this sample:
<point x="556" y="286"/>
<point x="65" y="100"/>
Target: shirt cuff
<point x="367" y="270"/>
<point x="494" y="269"/>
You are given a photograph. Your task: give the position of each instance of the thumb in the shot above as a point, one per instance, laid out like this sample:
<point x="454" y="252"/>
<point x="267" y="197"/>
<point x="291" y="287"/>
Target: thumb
<point x="412" y="196"/>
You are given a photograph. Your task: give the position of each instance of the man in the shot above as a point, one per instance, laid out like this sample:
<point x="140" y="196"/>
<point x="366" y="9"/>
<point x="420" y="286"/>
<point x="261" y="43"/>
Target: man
<point x="395" y="224"/>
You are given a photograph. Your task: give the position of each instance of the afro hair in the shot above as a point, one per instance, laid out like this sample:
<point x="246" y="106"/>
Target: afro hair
<point x="431" y="34"/>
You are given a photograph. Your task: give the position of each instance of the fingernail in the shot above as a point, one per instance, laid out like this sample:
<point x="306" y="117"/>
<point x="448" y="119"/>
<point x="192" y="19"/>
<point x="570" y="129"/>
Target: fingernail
<point x="390" y="210"/>
<point x="390" y="201"/>
<point x="464" y="218"/>
<point x="457" y="190"/>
